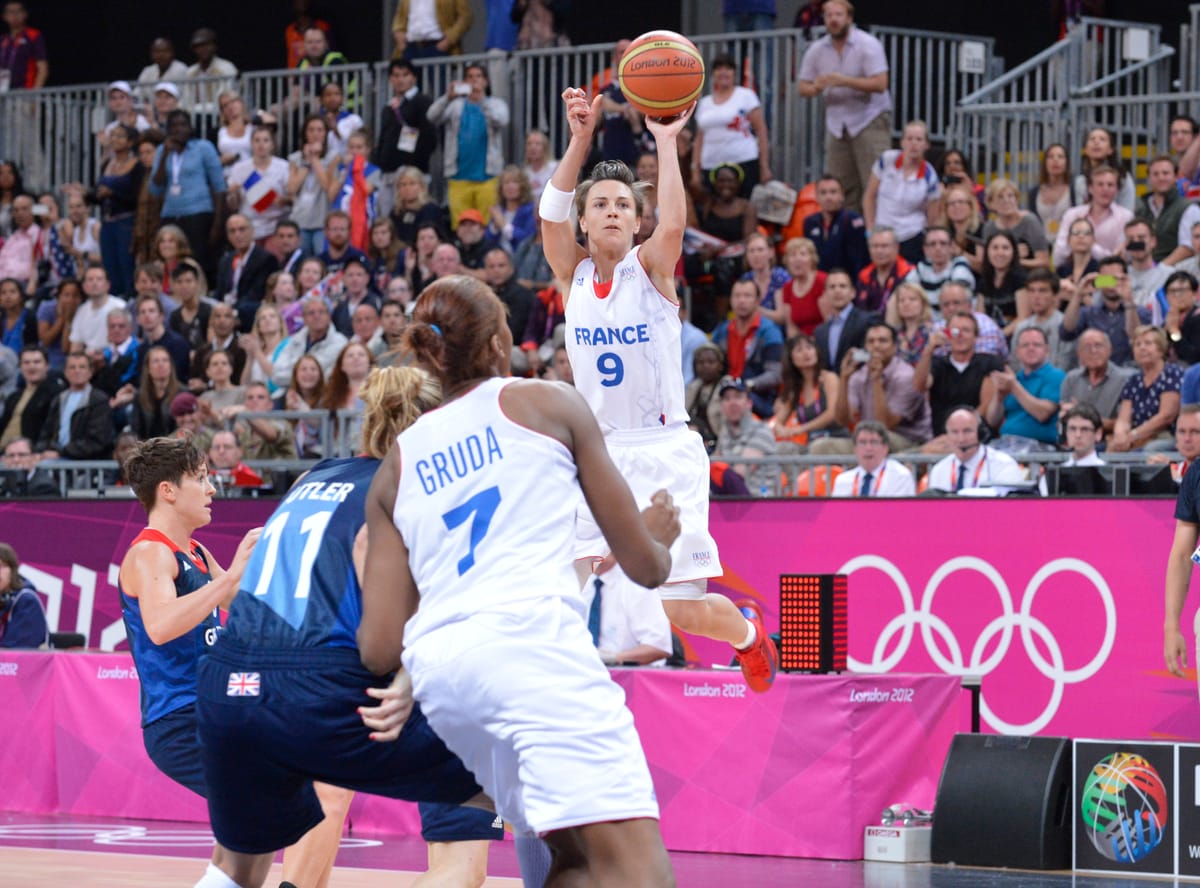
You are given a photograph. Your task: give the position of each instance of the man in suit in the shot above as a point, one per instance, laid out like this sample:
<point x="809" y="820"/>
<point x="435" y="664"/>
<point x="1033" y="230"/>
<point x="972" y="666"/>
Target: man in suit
<point x="847" y="325"/>
<point x="80" y="424"/>
<point x="287" y="240"/>
<point x="21" y="477"/>
<point x="243" y="271"/>
<point x="406" y="137"/>
<point x="26" y="409"/>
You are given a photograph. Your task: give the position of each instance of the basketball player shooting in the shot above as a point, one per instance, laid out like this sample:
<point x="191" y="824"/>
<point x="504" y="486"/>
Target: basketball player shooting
<point x="623" y="339"/>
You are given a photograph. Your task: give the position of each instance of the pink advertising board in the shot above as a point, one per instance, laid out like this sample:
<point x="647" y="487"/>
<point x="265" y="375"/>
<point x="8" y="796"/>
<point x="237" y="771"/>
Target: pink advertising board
<point x="1058" y="604"/>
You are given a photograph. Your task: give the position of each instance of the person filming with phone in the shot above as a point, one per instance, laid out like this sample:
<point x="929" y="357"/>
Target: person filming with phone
<point x="878" y="385"/>
<point x="1114" y="313"/>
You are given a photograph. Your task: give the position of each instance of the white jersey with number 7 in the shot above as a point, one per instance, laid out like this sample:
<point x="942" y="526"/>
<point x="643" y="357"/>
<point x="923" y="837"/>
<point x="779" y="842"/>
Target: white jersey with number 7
<point x="624" y="348"/>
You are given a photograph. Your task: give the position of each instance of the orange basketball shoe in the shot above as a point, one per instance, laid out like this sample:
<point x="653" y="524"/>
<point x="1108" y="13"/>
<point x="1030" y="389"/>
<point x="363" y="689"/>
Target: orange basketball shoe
<point x="760" y="661"/>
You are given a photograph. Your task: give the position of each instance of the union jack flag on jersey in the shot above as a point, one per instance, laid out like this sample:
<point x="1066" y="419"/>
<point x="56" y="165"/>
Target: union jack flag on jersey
<point x="242" y="684"/>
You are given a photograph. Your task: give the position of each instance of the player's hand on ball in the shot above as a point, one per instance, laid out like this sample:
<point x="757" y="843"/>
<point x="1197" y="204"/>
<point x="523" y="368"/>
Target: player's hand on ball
<point x="669" y="126"/>
<point x="395" y="706"/>
<point x="662" y="518"/>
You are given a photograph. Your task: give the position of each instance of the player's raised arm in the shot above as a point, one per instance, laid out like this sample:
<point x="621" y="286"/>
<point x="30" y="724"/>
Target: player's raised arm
<point x="562" y="251"/>
<point x="390" y="595"/>
<point x="660" y="253"/>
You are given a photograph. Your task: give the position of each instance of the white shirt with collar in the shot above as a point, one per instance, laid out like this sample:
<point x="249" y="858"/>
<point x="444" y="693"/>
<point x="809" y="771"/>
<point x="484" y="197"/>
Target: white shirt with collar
<point x="628" y="616"/>
<point x="1090" y="459"/>
<point x="422" y="21"/>
<point x="890" y="478"/>
<point x="985" y="468"/>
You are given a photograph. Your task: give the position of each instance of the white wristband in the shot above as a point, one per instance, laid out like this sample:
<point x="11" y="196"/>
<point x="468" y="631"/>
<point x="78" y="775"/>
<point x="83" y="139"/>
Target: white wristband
<point x="555" y="205"/>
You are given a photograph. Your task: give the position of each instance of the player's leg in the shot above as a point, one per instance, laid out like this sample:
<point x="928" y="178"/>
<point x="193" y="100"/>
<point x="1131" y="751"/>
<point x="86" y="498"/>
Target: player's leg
<point x="309" y="862"/>
<point x="230" y="869"/>
<point x="455" y="865"/>
<point x="458" y="837"/>
<point x="620" y="854"/>
<point x="698" y="612"/>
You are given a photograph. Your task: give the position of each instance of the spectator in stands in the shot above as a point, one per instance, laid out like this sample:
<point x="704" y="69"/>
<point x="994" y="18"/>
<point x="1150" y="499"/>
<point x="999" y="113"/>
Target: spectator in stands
<point x="226" y="469"/>
<point x="367" y="326"/>
<point x="743" y="437"/>
<point x="353" y="188"/>
<point x="1100" y="150"/>
<point x="847" y="323"/>
<point x="120" y="103"/>
<point x="806" y="409"/>
<point x="1001" y="288"/>
<point x="727" y="216"/>
<point x="283" y="292"/>
<point x="955" y="298"/>
<point x="115" y="371"/>
<point x="222" y="336"/>
<point x="910" y="315"/>
<point x="972" y="463"/>
<point x="701" y="397"/>
<point x="17" y="253"/>
<point x="260" y="185"/>
<point x="146" y="221"/>
<point x="163" y="66"/>
<point x="341" y="121"/>
<point x="150" y="413"/>
<point x="1146" y="277"/>
<point x="1097" y="381"/>
<point x="305" y="390"/>
<point x="350" y="370"/>
<point x="904" y="192"/>
<point x="54" y="320"/>
<point x="529" y="262"/>
<point x="848" y="68"/>
<point x="187" y="174"/>
<point x="262" y="437"/>
<point x="338" y="249"/>
<point x="540" y="163"/>
<point x="961" y="376"/>
<point x="406" y="137"/>
<point x="89" y="325"/>
<point x="1084" y="430"/>
<point x="1115" y="312"/>
<point x="117" y="191"/>
<point x="761" y="268"/>
<point x="414" y="208"/>
<point x="1024" y="405"/>
<point x="21" y="477"/>
<point x="243" y="271"/>
<point x="1181" y="321"/>
<point x="356" y="290"/>
<point x="318" y="339"/>
<point x="203" y="96"/>
<point x="288" y="244"/>
<point x="155" y="332"/>
<point x="79" y="423"/>
<point x="1182" y="132"/>
<point x="221" y="393"/>
<point x="1041" y="290"/>
<point x="953" y="169"/>
<point x="888" y="268"/>
<point x="190" y="320"/>
<point x="1081" y="260"/>
<point x="1004" y="200"/>
<point x="518" y="300"/>
<point x="9" y="376"/>
<point x="166" y="100"/>
<point x="18" y="326"/>
<point x="79" y="235"/>
<point x="754" y="346"/>
<point x="542" y="23"/>
<point x="801" y="304"/>
<point x="840" y="235"/>
<point x="730" y="129"/>
<point x="392" y="321"/>
<point x="623" y="132"/>
<point x="939" y="265"/>
<point x="471" y="242"/>
<point x="1050" y="198"/>
<point x="22" y="615"/>
<point x="309" y="179"/>
<point x="385" y="254"/>
<point x="961" y="216"/>
<point x="473" y="125"/>
<point x="1150" y="399"/>
<point x="1163" y="208"/>
<point x="261" y="345"/>
<point x="25" y="410"/>
<point x="880" y="388"/>
<point x="430" y="30"/>
<point x="11" y="185"/>
<point x="185" y="410"/>
<point x="875" y="473"/>
<point x="511" y="219"/>
<point x="1108" y="218"/>
<point x="22" y="50"/>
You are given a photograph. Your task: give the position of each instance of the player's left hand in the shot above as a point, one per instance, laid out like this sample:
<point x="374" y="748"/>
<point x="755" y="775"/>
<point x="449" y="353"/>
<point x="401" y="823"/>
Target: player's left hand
<point x="669" y="127"/>
<point x="395" y="706"/>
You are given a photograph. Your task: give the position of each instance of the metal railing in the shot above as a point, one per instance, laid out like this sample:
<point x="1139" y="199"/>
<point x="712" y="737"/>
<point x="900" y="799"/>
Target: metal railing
<point x="1189" y="51"/>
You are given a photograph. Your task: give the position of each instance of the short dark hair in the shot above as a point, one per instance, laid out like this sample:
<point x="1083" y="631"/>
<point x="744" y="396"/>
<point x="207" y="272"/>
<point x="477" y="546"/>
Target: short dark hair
<point x="871" y="425"/>
<point x="1113" y="260"/>
<point x="1084" y="411"/>
<point x="1043" y="276"/>
<point x="287" y="223"/>
<point x="1175" y="278"/>
<point x="723" y="60"/>
<point x="33" y="347"/>
<point x="405" y="65"/>
<point x="882" y="324"/>
<point x="157" y="460"/>
<point x="185" y="266"/>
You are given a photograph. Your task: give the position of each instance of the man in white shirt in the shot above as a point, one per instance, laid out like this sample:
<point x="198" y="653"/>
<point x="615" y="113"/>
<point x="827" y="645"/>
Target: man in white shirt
<point x="1146" y="276"/>
<point x="1085" y="429"/>
<point x="203" y="96"/>
<point x="876" y="473"/>
<point x="89" y="327"/>
<point x="163" y="66"/>
<point x="627" y="625"/>
<point x="973" y="464"/>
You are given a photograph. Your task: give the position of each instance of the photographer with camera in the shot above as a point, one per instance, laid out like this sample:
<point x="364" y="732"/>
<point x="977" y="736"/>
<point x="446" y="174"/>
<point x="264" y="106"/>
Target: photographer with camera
<point x="22" y="616"/>
<point x="1115" y="313"/>
<point x="962" y="376"/>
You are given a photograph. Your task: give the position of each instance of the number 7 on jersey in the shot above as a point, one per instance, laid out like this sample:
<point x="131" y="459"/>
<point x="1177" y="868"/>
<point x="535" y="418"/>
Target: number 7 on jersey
<point x="482" y="506"/>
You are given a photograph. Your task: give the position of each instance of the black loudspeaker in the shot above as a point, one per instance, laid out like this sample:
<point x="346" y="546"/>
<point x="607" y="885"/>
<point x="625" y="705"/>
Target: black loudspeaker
<point x="1004" y="801"/>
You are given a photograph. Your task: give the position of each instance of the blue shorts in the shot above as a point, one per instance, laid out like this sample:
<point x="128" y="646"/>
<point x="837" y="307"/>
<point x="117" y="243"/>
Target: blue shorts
<point x="261" y="751"/>
<point x="173" y="746"/>
<point x="458" y="823"/>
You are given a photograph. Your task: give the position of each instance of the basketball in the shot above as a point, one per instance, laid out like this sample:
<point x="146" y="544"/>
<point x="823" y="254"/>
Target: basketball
<point x="661" y="73"/>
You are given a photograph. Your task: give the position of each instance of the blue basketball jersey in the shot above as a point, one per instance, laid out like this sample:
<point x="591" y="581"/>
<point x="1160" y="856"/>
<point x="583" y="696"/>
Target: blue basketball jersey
<point x="299" y="589"/>
<point x="167" y="672"/>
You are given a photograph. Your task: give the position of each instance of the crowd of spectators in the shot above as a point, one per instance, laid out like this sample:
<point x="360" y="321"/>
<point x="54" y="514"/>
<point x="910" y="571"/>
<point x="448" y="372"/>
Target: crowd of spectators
<point x="209" y="274"/>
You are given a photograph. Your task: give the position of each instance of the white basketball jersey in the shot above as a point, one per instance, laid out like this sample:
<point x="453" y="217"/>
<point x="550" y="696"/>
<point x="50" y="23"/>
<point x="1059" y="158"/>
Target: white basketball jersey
<point x="624" y="348"/>
<point x="486" y="508"/>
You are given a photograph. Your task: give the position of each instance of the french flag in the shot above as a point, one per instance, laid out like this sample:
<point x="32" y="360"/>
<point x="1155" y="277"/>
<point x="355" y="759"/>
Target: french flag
<point x="260" y="194"/>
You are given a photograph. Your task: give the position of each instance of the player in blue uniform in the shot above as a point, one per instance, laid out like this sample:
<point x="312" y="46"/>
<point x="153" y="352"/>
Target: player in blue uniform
<point x="280" y="693"/>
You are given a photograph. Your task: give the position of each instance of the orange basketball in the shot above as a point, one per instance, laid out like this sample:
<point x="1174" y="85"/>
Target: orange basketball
<point x="661" y="73"/>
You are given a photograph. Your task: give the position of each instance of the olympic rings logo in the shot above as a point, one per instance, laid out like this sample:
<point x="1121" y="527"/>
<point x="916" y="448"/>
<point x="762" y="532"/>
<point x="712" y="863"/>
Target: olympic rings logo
<point x="930" y="625"/>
